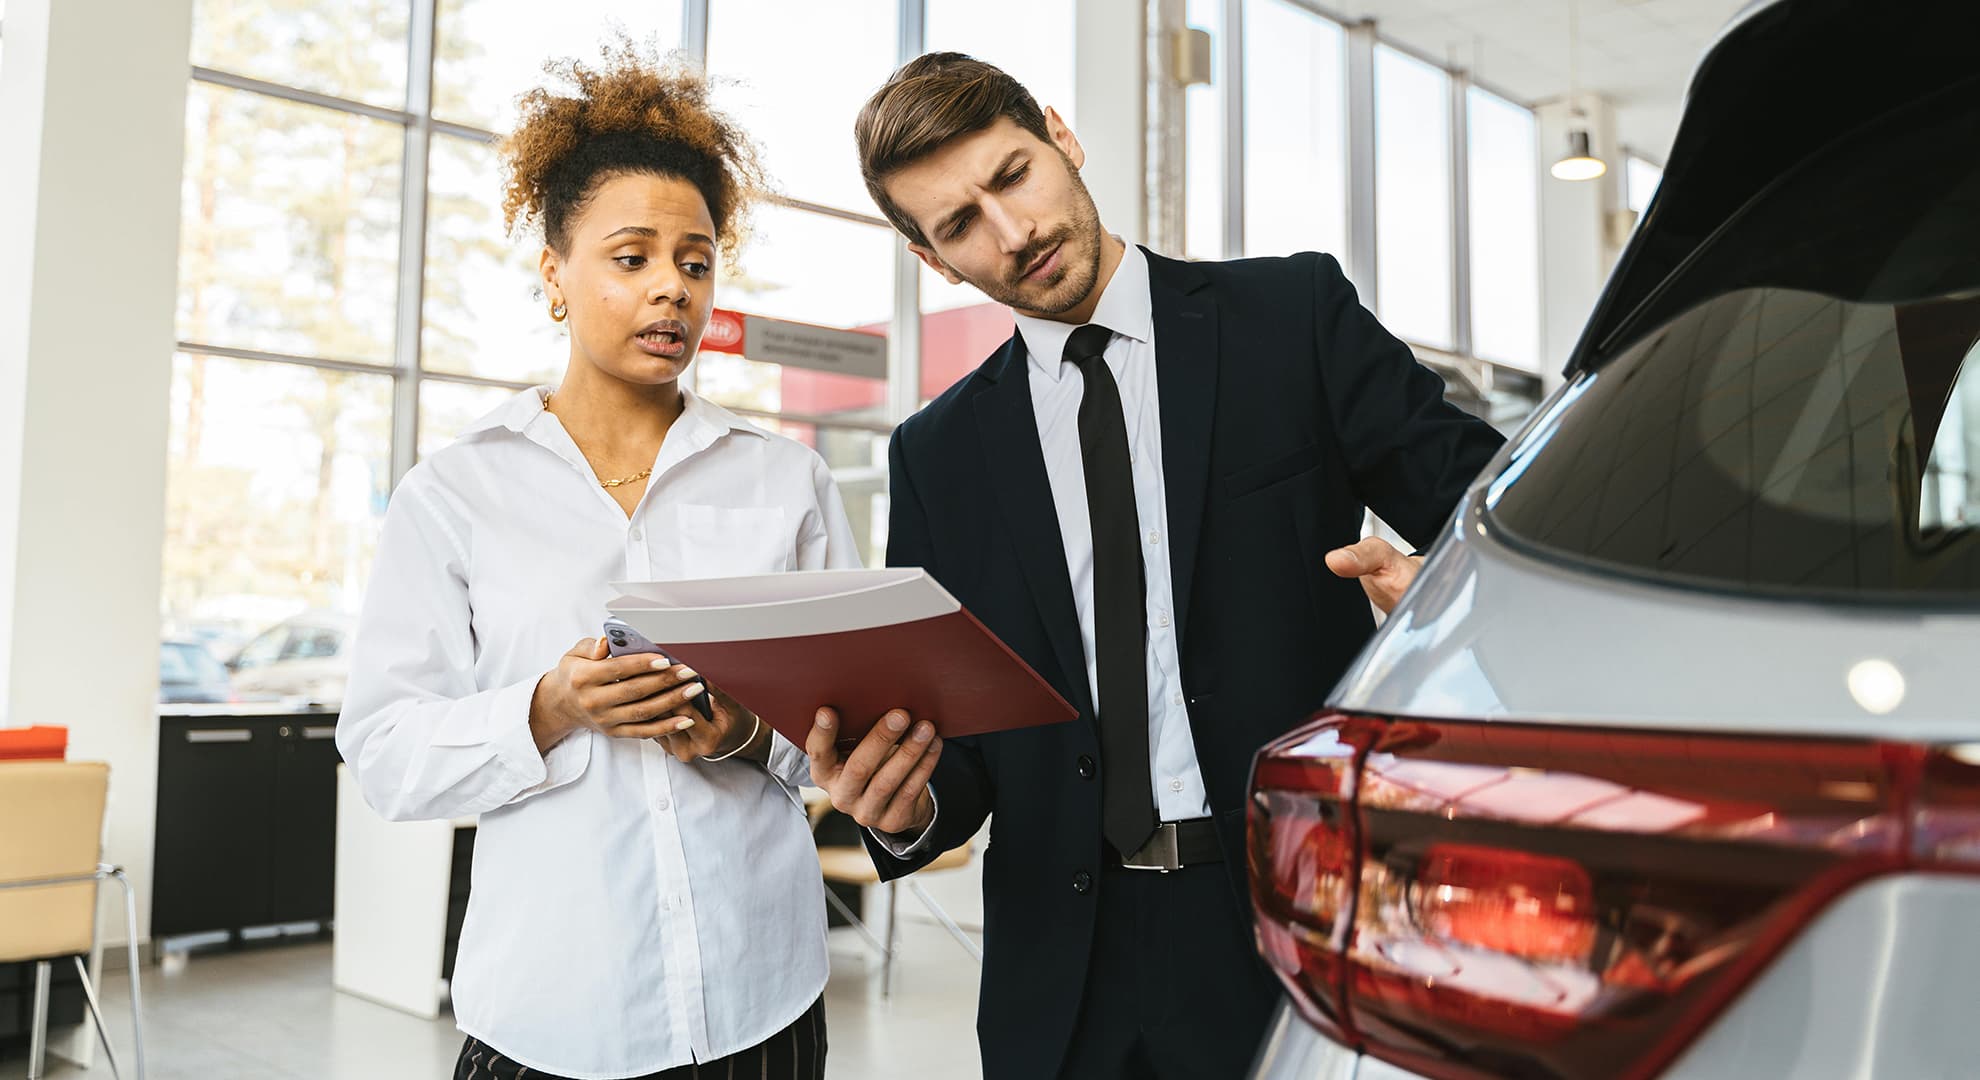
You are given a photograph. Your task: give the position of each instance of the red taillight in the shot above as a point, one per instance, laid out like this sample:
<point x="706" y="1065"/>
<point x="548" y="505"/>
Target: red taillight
<point x="1302" y="855"/>
<point x="1533" y="907"/>
<point x="1946" y="829"/>
<point x="1567" y="901"/>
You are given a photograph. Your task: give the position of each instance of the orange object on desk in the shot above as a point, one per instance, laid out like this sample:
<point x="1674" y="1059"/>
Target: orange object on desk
<point x="39" y="743"/>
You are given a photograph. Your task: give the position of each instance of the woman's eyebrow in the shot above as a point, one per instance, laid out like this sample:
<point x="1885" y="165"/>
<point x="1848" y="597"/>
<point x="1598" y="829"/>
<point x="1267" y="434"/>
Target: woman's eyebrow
<point x="651" y="233"/>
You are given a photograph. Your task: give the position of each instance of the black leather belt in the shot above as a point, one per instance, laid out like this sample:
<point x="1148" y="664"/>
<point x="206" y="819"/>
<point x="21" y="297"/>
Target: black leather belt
<point x="1177" y="844"/>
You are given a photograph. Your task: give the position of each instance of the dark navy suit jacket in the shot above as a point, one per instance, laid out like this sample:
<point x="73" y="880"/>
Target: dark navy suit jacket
<point x="1286" y="409"/>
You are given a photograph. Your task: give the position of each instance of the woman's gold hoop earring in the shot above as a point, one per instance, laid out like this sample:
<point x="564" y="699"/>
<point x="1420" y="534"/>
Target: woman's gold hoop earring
<point x="558" y="311"/>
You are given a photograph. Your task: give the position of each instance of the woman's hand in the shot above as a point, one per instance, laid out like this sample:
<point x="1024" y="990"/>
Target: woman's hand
<point x="717" y="736"/>
<point x="626" y="697"/>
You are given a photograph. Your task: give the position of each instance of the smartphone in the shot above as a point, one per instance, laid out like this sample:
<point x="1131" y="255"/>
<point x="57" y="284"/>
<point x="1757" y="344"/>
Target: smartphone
<point x="622" y="640"/>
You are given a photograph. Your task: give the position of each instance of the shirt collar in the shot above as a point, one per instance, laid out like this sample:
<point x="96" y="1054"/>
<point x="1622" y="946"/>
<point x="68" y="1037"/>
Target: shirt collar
<point x="1126" y="307"/>
<point x="519" y="412"/>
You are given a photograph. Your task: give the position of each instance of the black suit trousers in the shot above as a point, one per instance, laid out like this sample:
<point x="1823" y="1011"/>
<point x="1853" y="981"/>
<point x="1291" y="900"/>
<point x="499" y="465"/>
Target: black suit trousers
<point x="1174" y="990"/>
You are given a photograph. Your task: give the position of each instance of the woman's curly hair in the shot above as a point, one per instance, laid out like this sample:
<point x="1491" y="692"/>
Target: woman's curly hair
<point x="628" y="113"/>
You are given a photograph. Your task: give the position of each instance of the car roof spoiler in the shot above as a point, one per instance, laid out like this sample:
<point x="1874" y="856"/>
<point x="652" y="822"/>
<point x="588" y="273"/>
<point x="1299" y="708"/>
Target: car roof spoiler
<point x="1781" y="81"/>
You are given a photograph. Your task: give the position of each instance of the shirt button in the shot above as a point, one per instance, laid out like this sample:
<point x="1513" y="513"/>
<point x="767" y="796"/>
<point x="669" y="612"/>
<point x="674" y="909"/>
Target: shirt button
<point x="1175" y="783"/>
<point x="1082" y="882"/>
<point x="1085" y="767"/>
<point x="635" y="534"/>
<point x="662" y="805"/>
<point x="1162" y="620"/>
<point x="1154" y="537"/>
<point x="1177" y="698"/>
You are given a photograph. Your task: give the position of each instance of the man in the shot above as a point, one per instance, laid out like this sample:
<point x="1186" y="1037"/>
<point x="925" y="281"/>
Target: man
<point x="1135" y="493"/>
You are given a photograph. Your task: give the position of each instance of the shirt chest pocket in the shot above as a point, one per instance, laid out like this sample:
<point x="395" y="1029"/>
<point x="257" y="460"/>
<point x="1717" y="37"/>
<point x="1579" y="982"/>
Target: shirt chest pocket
<point x="730" y="541"/>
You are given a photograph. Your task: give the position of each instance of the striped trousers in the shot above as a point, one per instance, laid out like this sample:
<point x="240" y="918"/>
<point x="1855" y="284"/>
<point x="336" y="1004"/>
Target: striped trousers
<point x="795" y="1053"/>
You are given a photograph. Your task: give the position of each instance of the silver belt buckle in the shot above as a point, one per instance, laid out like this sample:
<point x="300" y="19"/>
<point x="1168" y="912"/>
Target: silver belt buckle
<point x="1159" y="853"/>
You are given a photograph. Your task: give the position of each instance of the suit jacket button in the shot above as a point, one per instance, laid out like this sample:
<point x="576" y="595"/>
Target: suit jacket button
<point x="1085" y="767"/>
<point x="1082" y="882"/>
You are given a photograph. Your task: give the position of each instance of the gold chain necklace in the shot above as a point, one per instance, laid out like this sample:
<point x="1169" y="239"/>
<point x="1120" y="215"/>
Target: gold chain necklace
<point x="640" y="475"/>
<point x="621" y="481"/>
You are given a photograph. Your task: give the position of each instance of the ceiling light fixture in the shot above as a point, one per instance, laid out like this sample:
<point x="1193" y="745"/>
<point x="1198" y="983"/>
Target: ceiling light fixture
<point x="1580" y="162"/>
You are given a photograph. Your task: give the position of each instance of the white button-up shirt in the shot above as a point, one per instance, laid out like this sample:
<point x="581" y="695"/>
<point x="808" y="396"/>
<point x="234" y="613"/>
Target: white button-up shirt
<point x="630" y="913"/>
<point x="1057" y="386"/>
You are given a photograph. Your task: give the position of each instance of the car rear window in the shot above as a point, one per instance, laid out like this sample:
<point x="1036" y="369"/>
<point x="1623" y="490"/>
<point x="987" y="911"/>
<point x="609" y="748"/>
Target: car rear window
<point x="1809" y="421"/>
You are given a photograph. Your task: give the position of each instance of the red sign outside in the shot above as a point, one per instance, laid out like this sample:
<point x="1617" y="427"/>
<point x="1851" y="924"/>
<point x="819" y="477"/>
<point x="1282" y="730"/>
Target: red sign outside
<point x="724" y="333"/>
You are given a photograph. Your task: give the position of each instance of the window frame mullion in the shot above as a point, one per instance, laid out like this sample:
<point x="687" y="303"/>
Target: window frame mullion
<point x="413" y="172"/>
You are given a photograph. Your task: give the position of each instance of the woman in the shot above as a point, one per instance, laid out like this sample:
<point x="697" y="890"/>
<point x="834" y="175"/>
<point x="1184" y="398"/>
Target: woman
<point x="646" y="895"/>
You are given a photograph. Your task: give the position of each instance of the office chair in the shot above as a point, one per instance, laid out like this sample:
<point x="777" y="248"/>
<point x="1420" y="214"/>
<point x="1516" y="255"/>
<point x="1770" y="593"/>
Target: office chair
<point x="850" y="865"/>
<point x="48" y="877"/>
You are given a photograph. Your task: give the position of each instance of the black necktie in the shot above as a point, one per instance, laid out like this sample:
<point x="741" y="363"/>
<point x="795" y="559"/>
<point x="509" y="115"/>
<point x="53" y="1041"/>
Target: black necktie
<point x="1119" y="608"/>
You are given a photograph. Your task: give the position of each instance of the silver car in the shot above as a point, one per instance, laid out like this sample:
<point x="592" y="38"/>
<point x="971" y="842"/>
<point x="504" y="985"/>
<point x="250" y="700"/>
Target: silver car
<point x="302" y="660"/>
<point x="1669" y="763"/>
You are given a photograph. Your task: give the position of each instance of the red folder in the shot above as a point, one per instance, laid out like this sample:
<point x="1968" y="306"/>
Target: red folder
<point x="859" y="641"/>
<point x="32" y="743"/>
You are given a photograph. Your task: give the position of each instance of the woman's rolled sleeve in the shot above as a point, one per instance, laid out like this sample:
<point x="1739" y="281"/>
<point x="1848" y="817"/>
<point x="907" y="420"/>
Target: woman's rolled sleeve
<point x="421" y="739"/>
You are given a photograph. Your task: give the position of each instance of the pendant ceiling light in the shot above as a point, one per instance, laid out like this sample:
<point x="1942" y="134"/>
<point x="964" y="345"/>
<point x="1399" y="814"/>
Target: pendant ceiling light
<point x="1580" y="162"/>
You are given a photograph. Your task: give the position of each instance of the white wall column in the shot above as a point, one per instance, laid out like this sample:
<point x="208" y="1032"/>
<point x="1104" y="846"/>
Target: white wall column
<point x="1575" y="252"/>
<point x="92" y="95"/>
<point x="1166" y="143"/>
<point x="1110" y="92"/>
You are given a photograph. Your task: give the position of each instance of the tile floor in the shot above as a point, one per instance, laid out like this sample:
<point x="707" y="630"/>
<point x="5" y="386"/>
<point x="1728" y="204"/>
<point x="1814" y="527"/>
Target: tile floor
<point x="268" y="1012"/>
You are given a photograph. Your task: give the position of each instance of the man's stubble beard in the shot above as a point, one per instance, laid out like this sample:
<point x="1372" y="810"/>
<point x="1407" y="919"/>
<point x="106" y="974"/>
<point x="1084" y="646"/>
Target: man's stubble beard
<point x="1073" y="283"/>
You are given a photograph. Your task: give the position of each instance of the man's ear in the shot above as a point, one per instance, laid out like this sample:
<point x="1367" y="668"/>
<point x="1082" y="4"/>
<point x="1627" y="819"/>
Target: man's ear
<point x="1063" y="138"/>
<point x="934" y="262"/>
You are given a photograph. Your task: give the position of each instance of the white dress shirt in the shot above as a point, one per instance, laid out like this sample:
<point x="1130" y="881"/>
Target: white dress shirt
<point x="630" y="913"/>
<point x="1056" y="389"/>
<point x="1057" y="386"/>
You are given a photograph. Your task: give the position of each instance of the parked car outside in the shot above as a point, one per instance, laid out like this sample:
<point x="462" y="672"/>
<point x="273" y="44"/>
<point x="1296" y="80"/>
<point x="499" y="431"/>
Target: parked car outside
<point x="1669" y="762"/>
<point x="188" y="674"/>
<point x="303" y="660"/>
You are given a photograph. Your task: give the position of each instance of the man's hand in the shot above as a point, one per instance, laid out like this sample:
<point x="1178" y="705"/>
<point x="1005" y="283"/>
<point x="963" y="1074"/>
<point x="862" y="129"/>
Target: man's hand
<point x="883" y="783"/>
<point x="1385" y="573"/>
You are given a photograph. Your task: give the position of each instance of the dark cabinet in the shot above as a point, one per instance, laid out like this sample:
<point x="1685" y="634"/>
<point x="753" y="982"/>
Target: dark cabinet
<point x="303" y="855"/>
<point x="247" y="820"/>
<point x="460" y="875"/>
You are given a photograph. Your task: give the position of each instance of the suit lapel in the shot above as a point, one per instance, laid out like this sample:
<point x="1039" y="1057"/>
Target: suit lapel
<point x="1186" y="364"/>
<point x="1009" y="429"/>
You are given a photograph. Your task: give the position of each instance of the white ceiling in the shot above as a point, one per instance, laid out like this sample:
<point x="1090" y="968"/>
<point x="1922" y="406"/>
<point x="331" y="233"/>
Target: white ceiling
<point x="1637" y="53"/>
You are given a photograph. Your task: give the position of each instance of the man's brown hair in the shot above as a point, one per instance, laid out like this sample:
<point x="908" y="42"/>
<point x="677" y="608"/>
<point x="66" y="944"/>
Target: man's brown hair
<point x="932" y="100"/>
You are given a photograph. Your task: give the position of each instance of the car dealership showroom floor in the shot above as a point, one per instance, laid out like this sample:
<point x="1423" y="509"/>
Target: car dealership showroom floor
<point x="267" y="1011"/>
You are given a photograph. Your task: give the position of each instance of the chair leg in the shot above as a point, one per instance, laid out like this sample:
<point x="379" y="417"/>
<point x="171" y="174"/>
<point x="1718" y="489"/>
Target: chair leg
<point x="893" y="938"/>
<point x="38" y="1032"/>
<point x="96" y="1014"/>
<point x="847" y="912"/>
<point x="131" y="947"/>
<point x="948" y="924"/>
